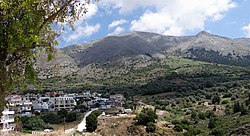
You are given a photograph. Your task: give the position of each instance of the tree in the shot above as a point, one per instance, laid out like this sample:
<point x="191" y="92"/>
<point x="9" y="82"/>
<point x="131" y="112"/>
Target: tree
<point x="62" y="113"/>
<point x="91" y="123"/>
<point x="236" y="107"/>
<point x="178" y="128"/>
<point x="26" y="30"/>
<point x="145" y="116"/>
<point x="35" y="123"/>
<point x="71" y="117"/>
<point x="216" y="99"/>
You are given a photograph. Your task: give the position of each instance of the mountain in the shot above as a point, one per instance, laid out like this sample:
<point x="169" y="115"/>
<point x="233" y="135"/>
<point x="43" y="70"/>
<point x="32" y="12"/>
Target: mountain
<point x="117" y="56"/>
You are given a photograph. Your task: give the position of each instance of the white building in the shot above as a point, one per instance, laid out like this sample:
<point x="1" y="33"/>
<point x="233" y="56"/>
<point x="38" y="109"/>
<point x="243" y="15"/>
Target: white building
<point x="40" y="106"/>
<point x="62" y="102"/>
<point x="7" y="120"/>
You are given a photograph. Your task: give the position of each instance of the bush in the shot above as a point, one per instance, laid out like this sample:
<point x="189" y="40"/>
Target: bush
<point x="176" y="122"/>
<point x="178" y="128"/>
<point x="71" y="117"/>
<point x="217" y="132"/>
<point x="224" y="102"/>
<point x="63" y="113"/>
<point x="96" y="113"/>
<point x="34" y="123"/>
<point x="233" y="98"/>
<point x="145" y="116"/>
<point x="150" y="127"/>
<point x="185" y="122"/>
<point x="194" y="114"/>
<point x="193" y="132"/>
<point x="236" y="107"/>
<point x="52" y="118"/>
<point x="228" y="111"/>
<point x="202" y="115"/>
<point x="213" y="122"/>
<point x="227" y="95"/>
<point x="91" y="123"/>
<point x="216" y="99"/>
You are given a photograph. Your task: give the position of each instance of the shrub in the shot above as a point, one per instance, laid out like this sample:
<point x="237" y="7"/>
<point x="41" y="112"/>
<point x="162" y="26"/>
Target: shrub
<point x="236" y="107"/>
<point x="193" y="132"/>
<point x="176" y="122"/>
<point x="213" y="122"/>
<point x="63" y="113"/>
<point x="194" y="114"/>
<point x="35" y="123"/>
<point x="233" y="98"/>
<point x="91" y="123"/>
<point x="185" y="122"/>
<point x="224" y="102"/>
<point x="228" y="111"/>
<point x="52" y="118"/>
<point x="150" y="127"/>
<point x="178" y="128"/>
<point x="217" y="132"/>
<point x="71" y="117"/>
<point x="145" y="116"/>
<point x="216" y="99"/>
<point x="202" y="115"/>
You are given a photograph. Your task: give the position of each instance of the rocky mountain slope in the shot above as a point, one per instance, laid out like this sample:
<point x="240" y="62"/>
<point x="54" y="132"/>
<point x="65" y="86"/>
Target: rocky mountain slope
<point x="116" y="55"/>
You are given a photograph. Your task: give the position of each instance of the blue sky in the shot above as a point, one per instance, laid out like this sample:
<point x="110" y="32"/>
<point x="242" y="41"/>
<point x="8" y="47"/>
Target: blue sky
<point x="230" y="18"/>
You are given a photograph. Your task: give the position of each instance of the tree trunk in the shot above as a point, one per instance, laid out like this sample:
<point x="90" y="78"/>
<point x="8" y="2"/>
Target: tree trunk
<point x="3" y="85"/>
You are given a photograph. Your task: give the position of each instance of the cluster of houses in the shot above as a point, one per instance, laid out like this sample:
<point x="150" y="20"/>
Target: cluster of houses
<point x="28" y="104"/>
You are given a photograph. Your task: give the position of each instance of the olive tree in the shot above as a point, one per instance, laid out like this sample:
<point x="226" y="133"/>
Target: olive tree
<point x="28" y="27"/>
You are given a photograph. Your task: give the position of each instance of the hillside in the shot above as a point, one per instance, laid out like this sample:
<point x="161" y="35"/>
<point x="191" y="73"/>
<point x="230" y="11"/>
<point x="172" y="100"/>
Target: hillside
<point x="195" y="81"/>
<point x="136" y="58"/>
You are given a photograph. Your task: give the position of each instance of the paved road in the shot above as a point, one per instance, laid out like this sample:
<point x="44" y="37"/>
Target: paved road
<point x="82" y="125"/>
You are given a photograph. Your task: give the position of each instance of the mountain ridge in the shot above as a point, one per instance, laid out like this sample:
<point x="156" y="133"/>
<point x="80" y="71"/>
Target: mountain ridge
<point x="122" y="51"/>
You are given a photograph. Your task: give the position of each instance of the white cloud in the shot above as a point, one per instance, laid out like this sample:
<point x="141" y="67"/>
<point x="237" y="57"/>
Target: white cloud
<point x="117" y="23"/>
<point x="118" y="30"/>
<point x="246" y="30"/>
<point x="85" y="31"/>
<point x="174" y="17"/>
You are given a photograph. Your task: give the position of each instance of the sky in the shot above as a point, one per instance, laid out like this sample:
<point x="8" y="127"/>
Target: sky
<point x="230" y="18"/>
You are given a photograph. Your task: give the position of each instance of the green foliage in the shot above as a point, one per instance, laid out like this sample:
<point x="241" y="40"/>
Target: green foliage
<point x="97" y="113"/>
<point x="217" y="132"/>
<point x="145" y="116"/>
<point x="202" y="115"/>
<point x="52" y="118"/>
<point x="71" y="117"/>
<point x="178" y="128"/>
<point x="26" y="32"/>
<point x="228" y="111"/>
<point x="91" y="123"/>
<point x="34" y="123"/>
<point x="150" y="127"/>
<point x="236" y="107"/>
<point x="176" y="122"/>
<point x="216" y="99"/>
<point x="224" y="102"/>
<point x="193" y="132"/>
<point x="213" y="122"/>
<point x="62" y="113"/>
<point x="194" y="114"/>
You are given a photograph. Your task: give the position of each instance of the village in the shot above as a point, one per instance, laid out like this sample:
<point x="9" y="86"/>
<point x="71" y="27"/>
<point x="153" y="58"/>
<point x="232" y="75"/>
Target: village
<point x="28" y="105"/>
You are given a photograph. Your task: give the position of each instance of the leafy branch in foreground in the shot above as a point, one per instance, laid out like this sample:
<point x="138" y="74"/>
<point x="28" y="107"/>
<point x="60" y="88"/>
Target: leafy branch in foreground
<point x="29" y="27"/>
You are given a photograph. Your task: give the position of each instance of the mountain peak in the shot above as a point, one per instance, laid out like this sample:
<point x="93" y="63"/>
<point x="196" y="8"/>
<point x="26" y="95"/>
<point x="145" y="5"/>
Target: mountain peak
<point x="203" y="33"/>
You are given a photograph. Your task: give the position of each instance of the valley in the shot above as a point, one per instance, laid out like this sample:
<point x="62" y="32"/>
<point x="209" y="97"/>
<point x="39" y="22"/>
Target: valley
<point x="195" y="81"/>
